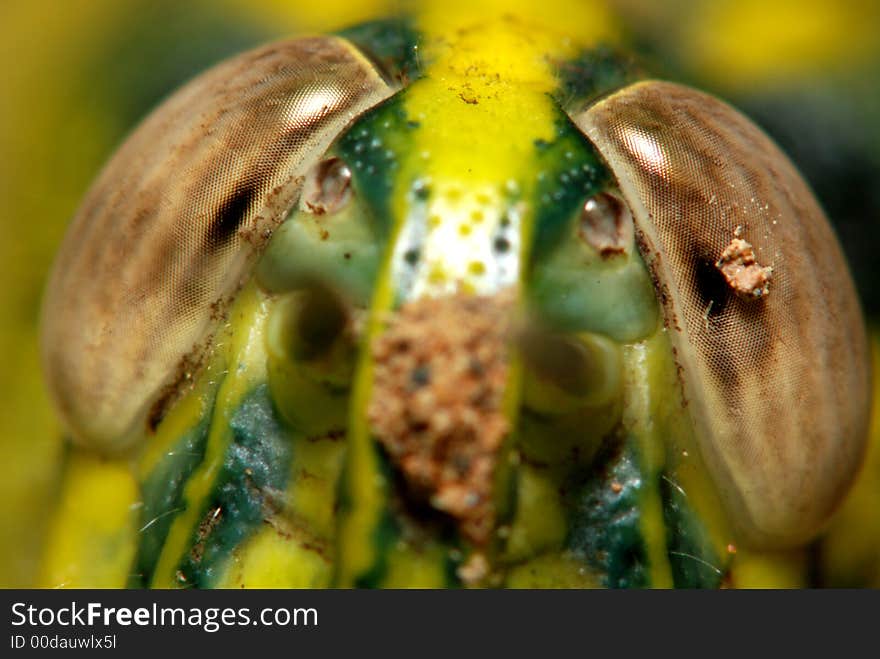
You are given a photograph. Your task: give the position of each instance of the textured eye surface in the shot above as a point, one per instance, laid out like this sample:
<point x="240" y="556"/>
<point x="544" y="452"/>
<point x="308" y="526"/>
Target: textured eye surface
<point x="169" y="230"/>
<point x="757" y="297"/>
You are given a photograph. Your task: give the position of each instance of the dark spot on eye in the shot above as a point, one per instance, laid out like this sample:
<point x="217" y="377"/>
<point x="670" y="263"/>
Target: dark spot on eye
<point x="502" y="244"/>
<point x="347" y="256"/>
<point x="713" y="290"/>
<point x="734" y="334"/>
<point x="230" y="215"/>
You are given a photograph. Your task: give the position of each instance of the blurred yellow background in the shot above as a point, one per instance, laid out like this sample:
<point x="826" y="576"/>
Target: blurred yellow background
<point x="77" y="74"/>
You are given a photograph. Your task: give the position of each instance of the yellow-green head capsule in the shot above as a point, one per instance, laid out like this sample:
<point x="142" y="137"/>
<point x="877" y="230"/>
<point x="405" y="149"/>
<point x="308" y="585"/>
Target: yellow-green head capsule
<point x="454" y="300"/>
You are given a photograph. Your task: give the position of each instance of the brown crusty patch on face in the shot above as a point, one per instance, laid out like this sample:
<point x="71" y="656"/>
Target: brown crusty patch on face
<point x="438" y="385"/>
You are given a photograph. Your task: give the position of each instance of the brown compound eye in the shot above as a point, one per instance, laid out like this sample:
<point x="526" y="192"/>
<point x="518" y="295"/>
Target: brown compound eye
<point x="175" y="221"/>
<point x="758" y="299"/>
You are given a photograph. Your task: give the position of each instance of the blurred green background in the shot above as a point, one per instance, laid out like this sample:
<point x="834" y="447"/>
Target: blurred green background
<point x="77" y="74"/>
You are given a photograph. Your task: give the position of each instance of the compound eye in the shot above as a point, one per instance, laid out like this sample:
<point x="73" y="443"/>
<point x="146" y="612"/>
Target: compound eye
<point x="175" y="222"/>
<point x="758" y="299"/>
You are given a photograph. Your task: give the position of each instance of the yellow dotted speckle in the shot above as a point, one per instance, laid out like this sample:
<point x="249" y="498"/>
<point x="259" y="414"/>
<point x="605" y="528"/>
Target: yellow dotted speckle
<point x="437" y="275"/>
<point x="476" y="268"/>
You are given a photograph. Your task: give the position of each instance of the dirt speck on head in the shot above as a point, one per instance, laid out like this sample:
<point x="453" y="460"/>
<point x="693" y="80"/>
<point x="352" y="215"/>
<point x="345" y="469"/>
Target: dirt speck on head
<point x="743" y="273"/>
<point x="440" y="370"/>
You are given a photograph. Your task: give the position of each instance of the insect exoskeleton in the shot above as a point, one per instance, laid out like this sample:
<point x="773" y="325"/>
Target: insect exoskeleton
<point x="170" y="229"/>
<point x="666" y="194"/>
<point x="758" y="299"/>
